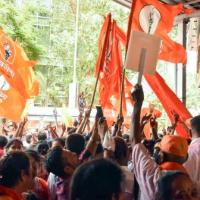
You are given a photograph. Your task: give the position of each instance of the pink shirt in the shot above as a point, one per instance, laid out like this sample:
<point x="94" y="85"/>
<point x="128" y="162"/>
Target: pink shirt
<point x="192" y="165"/>
<point x="146" y="171"/>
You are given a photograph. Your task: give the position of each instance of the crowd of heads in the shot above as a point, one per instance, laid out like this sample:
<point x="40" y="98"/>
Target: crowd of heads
<point x="99" y="164"/>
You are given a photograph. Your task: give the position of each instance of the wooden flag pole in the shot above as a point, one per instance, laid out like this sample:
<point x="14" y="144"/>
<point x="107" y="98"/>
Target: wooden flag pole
<point x="141" y="65"/>
<point x="93" y="96"/>
<point x="122" y="92"/>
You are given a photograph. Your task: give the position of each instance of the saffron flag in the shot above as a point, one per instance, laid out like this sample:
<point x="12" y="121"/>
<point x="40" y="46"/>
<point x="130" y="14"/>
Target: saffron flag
<point x="155" y="17"/>
<point x="103" y="43"/>
<point x="170" y="102"/>
<point x="12" y="103"/>
<point x="16" y="67"/>
<point x="110" y="79"/>
<point x="17" y="81"/>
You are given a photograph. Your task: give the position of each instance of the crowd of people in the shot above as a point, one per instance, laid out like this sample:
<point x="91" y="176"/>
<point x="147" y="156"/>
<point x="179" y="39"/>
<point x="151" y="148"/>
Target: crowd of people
<point x="101" y="163"/>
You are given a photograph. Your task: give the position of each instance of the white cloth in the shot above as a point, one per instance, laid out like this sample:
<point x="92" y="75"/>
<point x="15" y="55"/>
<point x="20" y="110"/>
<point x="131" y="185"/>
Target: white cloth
<point x="192" y="165"/>
<point x="51" y="186"/>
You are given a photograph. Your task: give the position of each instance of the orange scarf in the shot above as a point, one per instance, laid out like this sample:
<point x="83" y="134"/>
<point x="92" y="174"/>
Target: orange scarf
<point x="10" y="192"/>
<point x="172" y="166"/>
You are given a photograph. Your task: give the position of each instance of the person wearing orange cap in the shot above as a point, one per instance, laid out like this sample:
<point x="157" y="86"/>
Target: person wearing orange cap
<point x="193" y="163"/>
<point x="170" y="154"/>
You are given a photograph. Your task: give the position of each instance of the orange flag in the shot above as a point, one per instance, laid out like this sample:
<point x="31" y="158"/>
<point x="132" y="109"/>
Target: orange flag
<point x="103" y="43"/>
<point x="16" y="67"/>
<point x="111" y="77"/>
<point x="17" y="81"/>
<point x="12" y="103"/>
<point x="170" y="102"/>
<point x="155" y="17"/>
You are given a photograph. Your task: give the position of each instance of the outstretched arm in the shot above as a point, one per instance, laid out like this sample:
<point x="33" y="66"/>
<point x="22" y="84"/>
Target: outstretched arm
<point x="138" y="97"/>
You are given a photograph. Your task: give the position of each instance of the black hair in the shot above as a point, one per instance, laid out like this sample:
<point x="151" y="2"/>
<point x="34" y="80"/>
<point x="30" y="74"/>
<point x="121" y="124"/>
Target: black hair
<point x="11" y="166"/>
<point x="10" y="143"/>
<point x="75" y="123"/>
<point x="60" y="140"/>
<point x="3" y="141"/>
<point x="54" y="162"/>
<point x="32" y="196"/>
<point x="42" y="136"/>
<point x="34" y="154"/>
<point x="75" y="143"/>
<point x="42" y="148"/>
<point x="99" y="149"/>
<point x="149" y="144"/>
<point x="71" y="130"/>
<point x="103" y="178"/>
<point x="28" y="138"/>
<point x="121" y="149"/>
<point x="126" y="137"/>
<point x="164" y="191"/>
<point x="195" y="123"/>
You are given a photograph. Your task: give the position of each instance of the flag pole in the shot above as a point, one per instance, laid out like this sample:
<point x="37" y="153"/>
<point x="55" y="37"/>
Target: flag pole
<point x="124" y="69"/>
<point x="122" y="92"/>
<point x="100" y="66"/>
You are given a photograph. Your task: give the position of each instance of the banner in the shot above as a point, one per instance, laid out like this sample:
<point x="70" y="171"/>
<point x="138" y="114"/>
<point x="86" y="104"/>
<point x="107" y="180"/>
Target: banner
<point x="155" y="17"/>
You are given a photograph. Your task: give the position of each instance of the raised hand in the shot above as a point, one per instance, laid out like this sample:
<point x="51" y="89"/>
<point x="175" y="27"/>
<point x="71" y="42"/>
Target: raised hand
<point x="153" y="122"/>
<point x="63" y="127"/>
<point x="137" y="94"/>
<point x="145" y="119"/>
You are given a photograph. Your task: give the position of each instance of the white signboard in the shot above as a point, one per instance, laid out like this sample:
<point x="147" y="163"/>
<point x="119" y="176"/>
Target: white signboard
<point x="147" y="42"/>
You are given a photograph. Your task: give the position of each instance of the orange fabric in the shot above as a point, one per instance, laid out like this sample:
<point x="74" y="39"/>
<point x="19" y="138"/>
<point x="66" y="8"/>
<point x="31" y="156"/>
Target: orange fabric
<point x="12" y="104"/>
<point x="172" y="166"/>
<point x="6" y="65"/>
<point x="16" y="67"/>
<point x="8" y="192"/>
<point x="19" y="83"/>
<point x="156" y="113"/>
<point x="170" y="102"/>
<point x="147" y="129"/>
<point x="174" y="144"/>
<point x="41" y="188"/>
<point x="103" y="43"/>
<point x="170" y="50"/>
<point x="111" y="77"/>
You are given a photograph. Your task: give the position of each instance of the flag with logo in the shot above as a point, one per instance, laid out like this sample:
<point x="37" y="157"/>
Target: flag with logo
<point x="17" y="81"/>
<point x="155" y="17"/>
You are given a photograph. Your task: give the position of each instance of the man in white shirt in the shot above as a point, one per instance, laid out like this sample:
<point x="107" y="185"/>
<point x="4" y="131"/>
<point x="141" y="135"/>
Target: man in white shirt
<point x="193" y="163"/>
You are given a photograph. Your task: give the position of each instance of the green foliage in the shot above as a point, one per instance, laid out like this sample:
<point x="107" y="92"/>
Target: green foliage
<point x="17" y="22"/>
